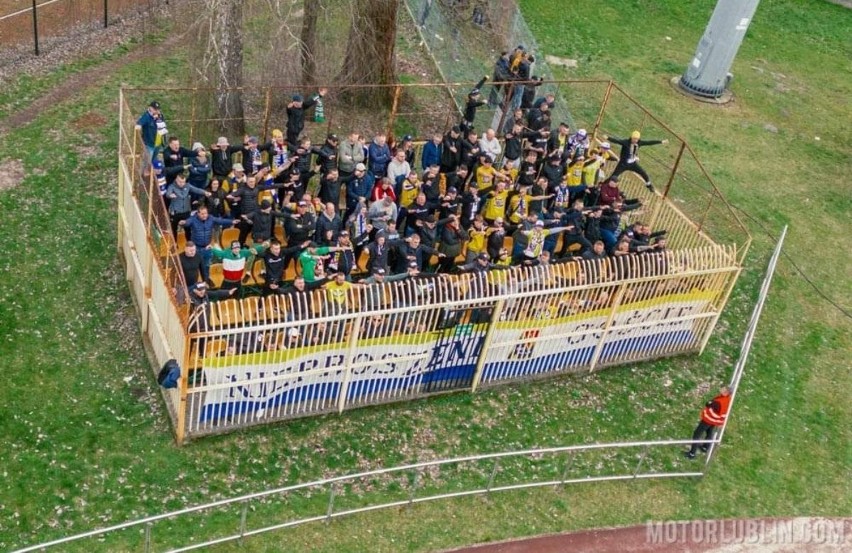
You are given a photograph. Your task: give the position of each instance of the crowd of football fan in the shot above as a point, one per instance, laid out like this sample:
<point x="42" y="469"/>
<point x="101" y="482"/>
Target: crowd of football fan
<point x="370" y="209"/>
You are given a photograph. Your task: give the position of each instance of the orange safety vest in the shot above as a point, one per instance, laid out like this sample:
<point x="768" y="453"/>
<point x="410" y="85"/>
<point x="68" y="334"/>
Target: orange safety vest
<point x="715" y="412"/>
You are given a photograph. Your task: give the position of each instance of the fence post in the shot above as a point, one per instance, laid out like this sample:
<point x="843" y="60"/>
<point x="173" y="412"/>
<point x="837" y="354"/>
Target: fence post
<point x="414" y="482"/>
<point x="266" y="108"/>
<point x="243" y="515"/>
<point x="599" y="347"/>
<point x="148" y="537"/>
<point x="604" y="103"/>
<point x="347" y="366"/>
<point x="35" y="27"/>
<point x="493" y="474"/>
<point x="180" y="430"/>
<point x="192" y="115"/>
<point x="330" y="503"/>
<point x="641" y="460"/>
<point x="392" y="117"/>
<point x="106" y="13"/>
<point x="674" y="169"/>
<point x="486" y="343"/>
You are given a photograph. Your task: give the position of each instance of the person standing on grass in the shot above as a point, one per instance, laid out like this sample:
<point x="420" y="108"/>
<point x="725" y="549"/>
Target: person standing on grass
<point x="713" y="416"/>
<point x="629" y="160"/>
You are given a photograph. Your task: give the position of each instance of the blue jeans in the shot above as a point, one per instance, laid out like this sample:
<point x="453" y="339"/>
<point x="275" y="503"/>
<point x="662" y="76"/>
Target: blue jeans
<point x="206" y="258"/>
<point x="610" y="238"/>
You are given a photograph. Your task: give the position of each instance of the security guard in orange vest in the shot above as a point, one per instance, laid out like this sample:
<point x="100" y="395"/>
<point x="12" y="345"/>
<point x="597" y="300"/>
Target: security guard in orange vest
<point x="713" y="416"/>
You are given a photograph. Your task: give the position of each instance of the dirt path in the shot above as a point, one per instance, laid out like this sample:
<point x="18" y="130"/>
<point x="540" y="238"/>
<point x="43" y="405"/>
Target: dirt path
<point x="770" y="535"/>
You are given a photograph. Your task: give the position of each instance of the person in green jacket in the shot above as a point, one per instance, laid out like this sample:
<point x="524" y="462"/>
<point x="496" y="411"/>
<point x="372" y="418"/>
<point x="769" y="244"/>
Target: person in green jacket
<point x="311" y="257"/>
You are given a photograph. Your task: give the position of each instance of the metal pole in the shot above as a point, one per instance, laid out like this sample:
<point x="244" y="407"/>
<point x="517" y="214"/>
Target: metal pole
<point x="739" y="368"/>
<point x="106" y="13"/>
<point x="604" y="103"/>
<point x="35" y="27"/>
<point x="674" y="170"/>
<point x="599" y="348"/>
<point x="486" y="344"/>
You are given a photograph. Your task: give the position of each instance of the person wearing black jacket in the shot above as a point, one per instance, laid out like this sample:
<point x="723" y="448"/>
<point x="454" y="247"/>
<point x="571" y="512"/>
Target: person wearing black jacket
<point x="329" y="187"/>
<point x="296" y="114"/>
<point x="470" y="150"/>
<point x="190" y="263"/>
<point x="327" y="154"/>
<point x="474" y="100"/>
<point x="252" y="154"/>
<point x="274" y="268"/>
<point x="629" y="159"/>
<point x="573" y="219"/>
<point x="410" y="249"/>
<point x="451" y="150"/>
<point x="513" y="149"/>
<point x="471" y="203"/>
<point x="495" y="240"/>
<point x="221" y="158"/>
<point x="247" y="198"/>
<point x="456" y="179"/>
<point x="174" y="156"/>
<point x="263" y="222"/>
<point x="328" y="221"/>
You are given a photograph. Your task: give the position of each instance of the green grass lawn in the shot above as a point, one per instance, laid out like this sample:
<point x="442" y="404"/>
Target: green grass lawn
<point x="85" y="440"/>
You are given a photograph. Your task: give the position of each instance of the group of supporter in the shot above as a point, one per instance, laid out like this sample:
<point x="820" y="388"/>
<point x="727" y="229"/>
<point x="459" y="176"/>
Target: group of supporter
<point x="372" y="209"/>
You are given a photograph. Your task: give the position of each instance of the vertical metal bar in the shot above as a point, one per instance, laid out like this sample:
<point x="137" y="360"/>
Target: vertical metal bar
<point x="599" y="347"/>
<point x="739" y="368"/>
<point x="148" y="537"/>
<point x="350" y="355"/>
<point x="394" y="106"/>
<point x="604" y="104"/>
<point x="414" y="482"/>
<point x="486" y="344"/>
<point x="674" y="169"/>
<point x="641" y="460"/>
<point x="709" y="330"/>
<point x="192" y="115"/>
<point x="569" y="463"/>
<point x="493" y="474"/>
<point x="106" y="13"/>
<point x="35" y="27"/>
<point x="330" y="503"/>
<point x="243" y="515"/>
<point x="180" y="425"/>
<point x="266" y="109"/>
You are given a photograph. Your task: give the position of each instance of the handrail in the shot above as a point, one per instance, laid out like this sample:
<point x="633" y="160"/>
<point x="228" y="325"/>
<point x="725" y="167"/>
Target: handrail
<point x="402" y="468"/>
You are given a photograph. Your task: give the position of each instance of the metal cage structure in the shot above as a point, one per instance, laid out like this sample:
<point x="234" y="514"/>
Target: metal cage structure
<point x="258" y="360"/>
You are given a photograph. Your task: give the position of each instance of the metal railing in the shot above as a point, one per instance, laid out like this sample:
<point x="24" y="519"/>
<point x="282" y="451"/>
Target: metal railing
<point x="564" y="458"/>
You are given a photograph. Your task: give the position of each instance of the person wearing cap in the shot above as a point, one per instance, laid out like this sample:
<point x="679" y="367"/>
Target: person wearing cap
<point x="398" y="167"/>
<point x="147" y="124"/>
<point x="495" y="237"/>
<point x="350" y="153"/>
<point x="452" y="238"/>
<point x="450" y="203"/>
<point x="536" y="237"/>
<point x="274" y="268"/>
<point x="629" y="158"/>
<point x="296" y="114"/>
<point x="235" y="261"/>
<point x="379" y="155"/>
<point x="327" y="154"/>
<point x="429" y="230"/>
<point x="451" y="150"/>
<point x="200" y="297"/>
<point x="579" y="143"/>
<point x="300" y="224"/>
<point x="480" y="263"/>
<point x="343" y="261"/>
<point x="199" y="169"/>
<point x="221" y="161"/>
<point x="539" y="117"/>
<point x="262" y="222"/>
<point x="474" y="101"/>
<point x="358" y="188"/>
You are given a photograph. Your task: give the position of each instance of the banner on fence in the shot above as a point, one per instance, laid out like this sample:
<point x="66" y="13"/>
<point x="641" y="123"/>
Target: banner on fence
<point x="412" y="364"/>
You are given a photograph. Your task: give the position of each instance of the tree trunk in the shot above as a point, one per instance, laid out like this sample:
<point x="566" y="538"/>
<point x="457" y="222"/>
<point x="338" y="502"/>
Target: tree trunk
<point x="225" y="62"/>
<point x="370" y="54"/>
<point x="309" y="42"/>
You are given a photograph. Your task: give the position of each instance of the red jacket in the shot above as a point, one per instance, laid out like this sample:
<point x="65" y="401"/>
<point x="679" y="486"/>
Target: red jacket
<point x="716" y="411"/>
